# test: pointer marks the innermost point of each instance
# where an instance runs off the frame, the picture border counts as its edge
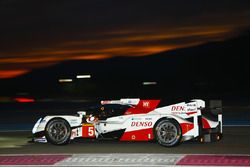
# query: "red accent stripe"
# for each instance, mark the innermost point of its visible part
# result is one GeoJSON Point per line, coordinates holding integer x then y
{"type": "Point", "coordinates": [205, 123]}
{"type": "Point", "coordinates": [185, 127]}
{"type": "Point", "coordinates": [190, 113]}
{"type": "Point", "coordinates": [138, 135]}
{"type": "Point", "coordinates": [32, 159]}
{"type": "Point", "coordinates": [215, 160]}
{"type": "Point", "coordinates": [143, 107]}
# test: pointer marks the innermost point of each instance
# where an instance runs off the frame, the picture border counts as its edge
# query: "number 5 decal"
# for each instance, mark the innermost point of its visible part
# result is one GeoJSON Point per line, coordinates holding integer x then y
{"type": "Point", "coordinates": [91, 131]}
{"type": "Point", "coordinates": [88, 131]}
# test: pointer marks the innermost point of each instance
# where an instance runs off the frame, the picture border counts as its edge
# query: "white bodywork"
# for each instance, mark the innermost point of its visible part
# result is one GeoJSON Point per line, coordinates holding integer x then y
{"type": "Point", "coordinates": [136, 122]}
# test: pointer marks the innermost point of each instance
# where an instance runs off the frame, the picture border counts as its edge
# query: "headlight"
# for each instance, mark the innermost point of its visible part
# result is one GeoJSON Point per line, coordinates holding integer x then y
{"type": "Point", "coordinates": [36, 125]}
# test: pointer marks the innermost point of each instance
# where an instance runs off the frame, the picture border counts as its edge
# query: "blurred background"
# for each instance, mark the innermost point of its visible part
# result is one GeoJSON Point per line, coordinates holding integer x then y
{"type": "Point", "coordinates": [61, 57]}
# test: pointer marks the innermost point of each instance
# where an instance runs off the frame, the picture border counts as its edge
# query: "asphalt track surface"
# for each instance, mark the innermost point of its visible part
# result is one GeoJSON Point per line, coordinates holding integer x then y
{"type": "Point", "coordinates": [236, 140]}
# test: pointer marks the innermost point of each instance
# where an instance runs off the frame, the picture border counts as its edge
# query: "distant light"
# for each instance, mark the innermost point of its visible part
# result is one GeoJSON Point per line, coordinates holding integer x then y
{"type": "Point", "coordinates": [24, 100]}
{"type": "Point", "coordinates": [83, 76]}
{"type": "Point", "coordinates": [149, 83]}
{"type": "Point", "coordinates": [65, 80]}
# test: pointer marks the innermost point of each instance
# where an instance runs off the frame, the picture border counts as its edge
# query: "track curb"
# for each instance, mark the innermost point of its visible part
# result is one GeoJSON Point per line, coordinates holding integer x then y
{"type": "Point", "coordinates": [123, 159]}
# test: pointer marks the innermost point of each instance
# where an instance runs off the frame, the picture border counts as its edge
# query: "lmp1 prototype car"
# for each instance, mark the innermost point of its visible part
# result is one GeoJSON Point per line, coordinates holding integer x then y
{"type": "Point", "coordinates": [134, 120]}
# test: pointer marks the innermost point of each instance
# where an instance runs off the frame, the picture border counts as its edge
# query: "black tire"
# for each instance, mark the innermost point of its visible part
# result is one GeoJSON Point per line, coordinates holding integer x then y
{"type": "Point", "coordinates": [167, 132]}
{"type": "Point", "coordinates": [58, 131]}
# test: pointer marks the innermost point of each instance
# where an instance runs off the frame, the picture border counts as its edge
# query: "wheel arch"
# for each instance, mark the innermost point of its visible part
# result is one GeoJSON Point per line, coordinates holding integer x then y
{"type": "Point", "coordinates": [167, 118]}
{"type": "Point", "coordinates": [58, 117]}
{"type": "Point", "coordinates": [73, 121]}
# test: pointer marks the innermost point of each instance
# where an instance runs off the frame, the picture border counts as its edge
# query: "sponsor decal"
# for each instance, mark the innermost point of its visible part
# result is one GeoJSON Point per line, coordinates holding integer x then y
{"type": "Point", "coordinates": [74, 133]}
{"type": "Point", "coordinates": [191, 105]}
{"type": "Point", "coordinates": [191, 109]}
{"type": "Point", "coordinates": [73, 121]}
{"type": "Point", "coordinates": [136, 118]}
{"type": "Point", "coordinates": [148, 118]}
{"type": "Point", "coordinates": [178, 108]}
{"type": "Point", "coordinates": [141, 124]}
{"type": "Point", "coordinates": [178, 112]}
{"type": "Point", "coordinates": [146, 104]}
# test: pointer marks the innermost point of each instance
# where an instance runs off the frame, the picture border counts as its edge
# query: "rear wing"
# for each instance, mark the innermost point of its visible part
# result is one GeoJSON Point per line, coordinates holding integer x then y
{"type": "Point", "coordinates": [214, 108]}
{"type": "Point", "coordinates": [200, 104]}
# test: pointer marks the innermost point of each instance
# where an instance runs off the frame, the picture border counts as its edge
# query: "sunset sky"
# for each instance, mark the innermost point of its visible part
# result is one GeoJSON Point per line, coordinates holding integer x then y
{"type": "Point", "coordinates": [39, 33]}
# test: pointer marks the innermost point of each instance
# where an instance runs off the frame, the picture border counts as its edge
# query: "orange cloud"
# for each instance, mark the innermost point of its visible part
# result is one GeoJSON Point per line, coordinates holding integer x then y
{"type": "Point", "coordinates": [92, 57]}
{"type": "Point", "coordinates": [109, 44]}
{"type": "Point", "coordinates": [11, 73]}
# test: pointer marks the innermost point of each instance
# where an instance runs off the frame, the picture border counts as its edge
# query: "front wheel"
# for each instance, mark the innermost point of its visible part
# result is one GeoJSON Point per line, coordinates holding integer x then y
{"type": "Point", "coordinates": [167, 132]}
{"type": "Point", "coordinates": [58, 131]}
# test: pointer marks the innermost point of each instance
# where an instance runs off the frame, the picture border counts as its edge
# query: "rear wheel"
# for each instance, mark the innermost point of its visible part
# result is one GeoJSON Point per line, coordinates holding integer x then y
{"type": "Point", "coordinates": [58, 131]}
{"type": "Point", "coordinates": [167, 132]}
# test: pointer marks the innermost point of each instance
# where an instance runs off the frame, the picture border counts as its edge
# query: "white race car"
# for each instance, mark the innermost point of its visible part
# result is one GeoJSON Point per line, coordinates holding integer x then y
{"type": "Point", "coordinates": [134, 120]}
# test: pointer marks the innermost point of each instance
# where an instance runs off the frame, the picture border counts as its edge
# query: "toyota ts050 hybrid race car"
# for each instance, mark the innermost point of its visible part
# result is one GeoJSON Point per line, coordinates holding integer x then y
{"type": "Point", "coordinates": [134, 120]}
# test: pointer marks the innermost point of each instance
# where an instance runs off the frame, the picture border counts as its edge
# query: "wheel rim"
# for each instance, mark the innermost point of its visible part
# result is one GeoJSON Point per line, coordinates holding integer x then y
{"type": "Point", "coordinates": [58, 131]}
{"type": "Point", "coordinates": [167, 132]}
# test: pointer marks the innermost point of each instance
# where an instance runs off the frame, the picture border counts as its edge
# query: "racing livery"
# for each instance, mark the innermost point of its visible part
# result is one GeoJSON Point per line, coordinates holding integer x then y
{"type": "Point", "coordinates": [134, 120]}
